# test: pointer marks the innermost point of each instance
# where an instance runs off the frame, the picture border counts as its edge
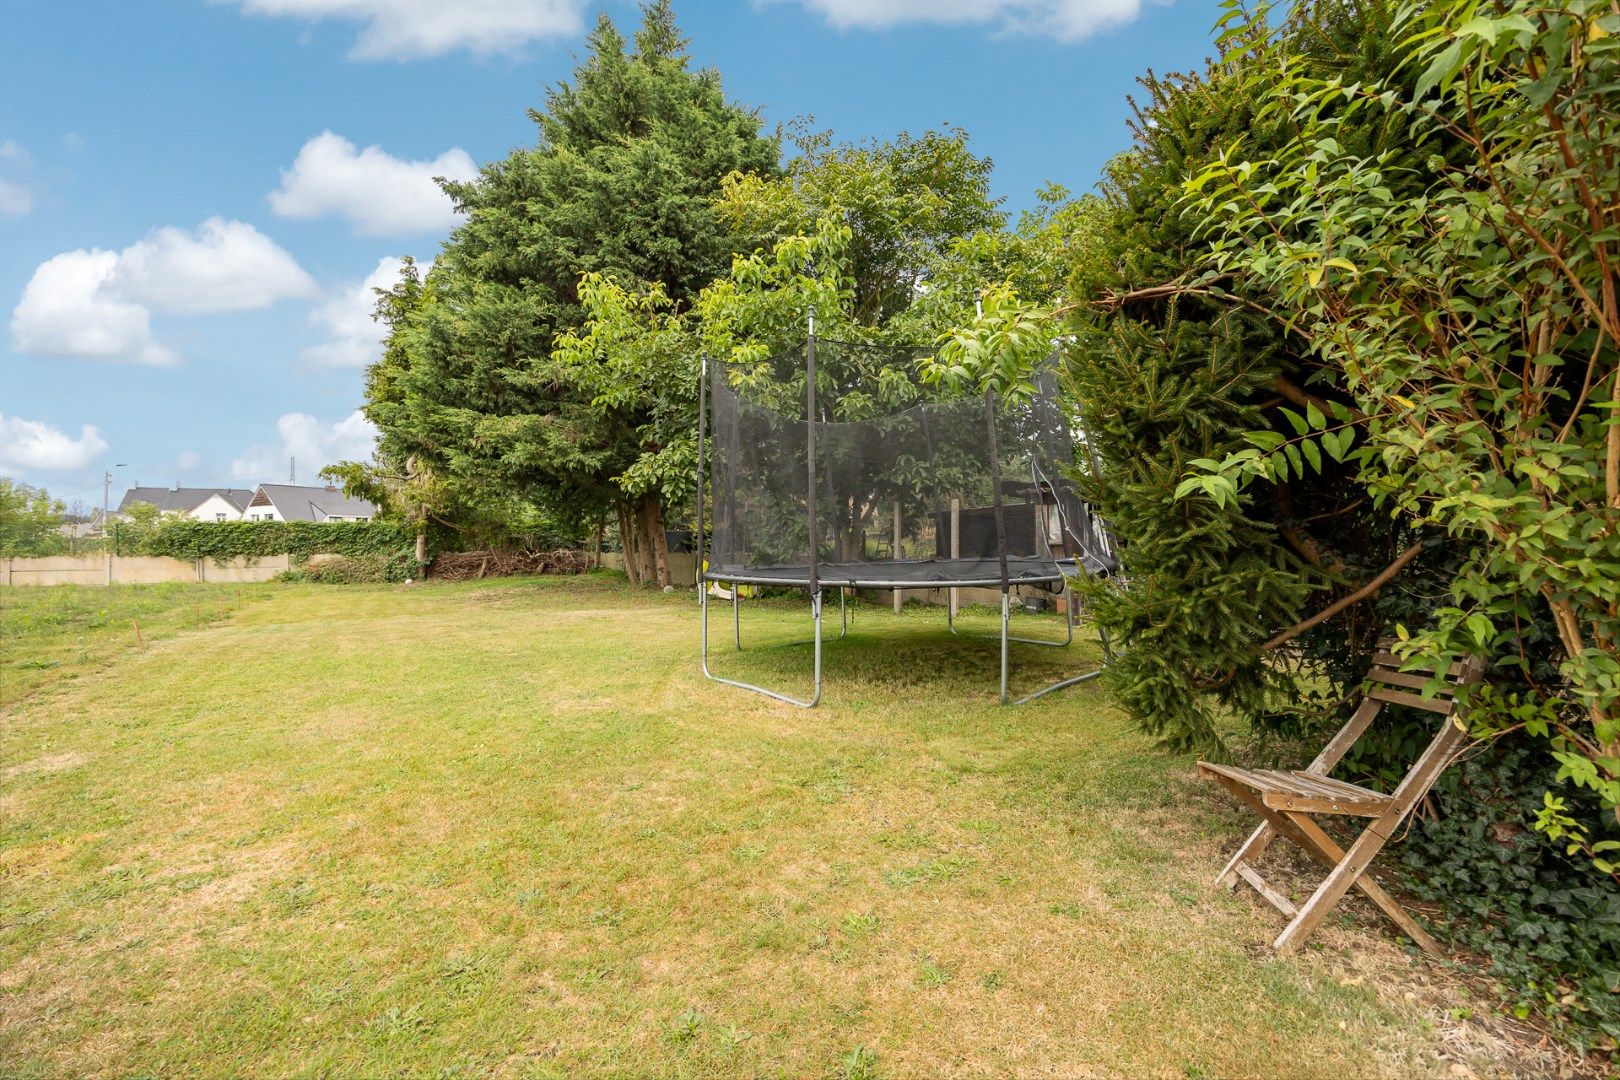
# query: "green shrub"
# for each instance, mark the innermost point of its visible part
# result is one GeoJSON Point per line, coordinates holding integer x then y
{"type": "Point", "coordinates": [221, 541]}
{"type": "Point", "coordinates": [356, 570]}
{"type": "Point", "coordinates": [1548, 922]}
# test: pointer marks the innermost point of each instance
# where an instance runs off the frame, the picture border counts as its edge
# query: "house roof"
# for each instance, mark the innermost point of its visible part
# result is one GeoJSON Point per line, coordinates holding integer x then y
{"type": "Point", "coordinates": [299, 503]}
{"type": "Point", "coordinates": [182, 499]}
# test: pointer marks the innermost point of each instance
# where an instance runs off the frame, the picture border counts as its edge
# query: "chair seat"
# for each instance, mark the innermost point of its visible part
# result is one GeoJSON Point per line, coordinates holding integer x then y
{"type": "Point", "coordinates": [1300, 790]}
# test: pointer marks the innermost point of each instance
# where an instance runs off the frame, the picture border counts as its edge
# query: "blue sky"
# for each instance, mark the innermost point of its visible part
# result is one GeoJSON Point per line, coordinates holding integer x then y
{"type": "Point", "coordinates": [193, 193]}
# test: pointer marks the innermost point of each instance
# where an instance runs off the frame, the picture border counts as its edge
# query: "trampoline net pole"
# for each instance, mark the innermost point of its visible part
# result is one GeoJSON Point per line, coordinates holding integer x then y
{"type": "Point", "coordinates": [810, 458]}
{"type": "Point", "coordinates": [703, 422]}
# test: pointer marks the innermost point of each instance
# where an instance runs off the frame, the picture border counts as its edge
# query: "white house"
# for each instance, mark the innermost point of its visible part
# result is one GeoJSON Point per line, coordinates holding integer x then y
{"type": "Point", "coordinates": [199, 504]}
{"type": "Point", "coordinates": [290, 502]}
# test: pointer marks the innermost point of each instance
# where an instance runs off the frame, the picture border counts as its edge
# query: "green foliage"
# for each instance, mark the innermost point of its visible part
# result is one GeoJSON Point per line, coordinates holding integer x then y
{"type": "Point", "coordinates": [182, 538]}
{"type": "Point", "coordinates": [1476, 329]}
{"type": "Point", "coordinates": [849, 233]}
{"type": "Point", "coordinates": [629, 157]}
{"type": "Point", "coordinates": [1548, 923]}
{"type": "Point", "coordinates": [28, 520]}
{"type": "Point", "coordinates": [1165, 376]}
{"type": "Point", "coordinates": [395, 566]}
{"type": "Point", "coordinates": [638, 361]}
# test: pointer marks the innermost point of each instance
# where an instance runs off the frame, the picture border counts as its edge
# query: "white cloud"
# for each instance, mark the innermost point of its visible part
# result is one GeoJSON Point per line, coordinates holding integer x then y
{"type": "Point", "coordinates": [1065, 20]}
{"type": "Point", "coordinates": [313, 444]}
{"type": "Point", "coordinates": [67, 310]}
{"type": "Point", "coordinates": [223, 266]}
{"type": "Point", "coordinates": [409, 29]}
{"type": "Point", "coordinates": [98, 304]}
{"type": "Point", "coordinates": [16, 199]}
{"type": "Point", "coordinates": [29, 444]}
{"type": "Point", "coordinates": [356, 338]}
{"type": "Point", "coordinates": [380, 194]}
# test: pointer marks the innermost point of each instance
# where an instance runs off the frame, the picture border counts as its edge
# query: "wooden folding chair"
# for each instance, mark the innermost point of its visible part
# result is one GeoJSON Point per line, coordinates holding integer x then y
{"type": "Point", "coordinates": [1286, 801]}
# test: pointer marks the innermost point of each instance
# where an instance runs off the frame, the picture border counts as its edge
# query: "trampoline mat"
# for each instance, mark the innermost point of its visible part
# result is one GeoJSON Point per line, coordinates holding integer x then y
{"type": "Point", "coordinates": [903, 573]}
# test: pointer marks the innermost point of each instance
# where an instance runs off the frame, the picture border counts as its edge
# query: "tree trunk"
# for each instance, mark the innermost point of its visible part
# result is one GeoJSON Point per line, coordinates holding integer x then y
{"type": "Point", "coordinates": [627, 545]}
{"type": "Point", "coordinates": [657, 543]}
{"type": "Point", "coordinates": [596, 547]}
{"type": "Point", "coordinates": [421, 551]}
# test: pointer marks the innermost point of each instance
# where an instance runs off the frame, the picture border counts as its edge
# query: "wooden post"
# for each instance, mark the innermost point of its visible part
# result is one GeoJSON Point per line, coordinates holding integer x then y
{"type": "Point", "coordinates": [110, 557]}
{"type": "Point", "coordinates": [898, 598]}
{"type": "Point", "coordinates": [956, 550]}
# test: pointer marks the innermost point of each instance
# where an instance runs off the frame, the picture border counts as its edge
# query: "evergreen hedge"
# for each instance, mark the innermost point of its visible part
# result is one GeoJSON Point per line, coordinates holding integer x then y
{"type": "Point", "coordinates": [226, 540]}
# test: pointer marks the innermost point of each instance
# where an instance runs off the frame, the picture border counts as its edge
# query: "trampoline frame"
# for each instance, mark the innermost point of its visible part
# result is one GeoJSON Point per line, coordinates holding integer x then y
{"type": "Point", "coordinates": [813, 584]}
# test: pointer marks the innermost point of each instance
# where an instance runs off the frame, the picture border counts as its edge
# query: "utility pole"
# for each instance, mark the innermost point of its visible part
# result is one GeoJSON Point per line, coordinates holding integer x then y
{"type": "Point", "coordinates": [106, 504]}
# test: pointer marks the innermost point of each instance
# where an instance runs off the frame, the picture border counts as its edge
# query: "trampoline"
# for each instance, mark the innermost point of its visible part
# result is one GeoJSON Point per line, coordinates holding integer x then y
{"type": "Point", "coordinates": [828, 466]}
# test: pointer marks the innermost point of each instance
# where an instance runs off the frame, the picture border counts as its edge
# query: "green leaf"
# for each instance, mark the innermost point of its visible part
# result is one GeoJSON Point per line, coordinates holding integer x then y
{"type": "Point", "coordinates": [1439, 69]}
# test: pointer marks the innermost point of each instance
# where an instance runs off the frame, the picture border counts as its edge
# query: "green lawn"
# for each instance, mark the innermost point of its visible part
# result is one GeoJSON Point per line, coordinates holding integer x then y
{"type": "Point", "coordinates": [48, 635]}
{"type": "Point", "coordinates": [507, 829]}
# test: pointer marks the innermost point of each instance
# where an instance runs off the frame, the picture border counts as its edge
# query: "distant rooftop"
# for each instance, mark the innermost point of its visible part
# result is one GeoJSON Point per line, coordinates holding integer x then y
{"type": "Point", "coordinates": [300, 503]}
{"type": "Point", "coordinates": [182, 499]}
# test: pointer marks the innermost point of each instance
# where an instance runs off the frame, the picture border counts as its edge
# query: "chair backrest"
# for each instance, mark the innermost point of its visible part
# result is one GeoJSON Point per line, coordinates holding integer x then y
{"type": "Point", "coordinates": [1387, 684]}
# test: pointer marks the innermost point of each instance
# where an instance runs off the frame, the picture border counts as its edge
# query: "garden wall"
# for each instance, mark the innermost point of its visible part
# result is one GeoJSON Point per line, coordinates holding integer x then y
{"type": "Point", "coordinates": [136, 570]}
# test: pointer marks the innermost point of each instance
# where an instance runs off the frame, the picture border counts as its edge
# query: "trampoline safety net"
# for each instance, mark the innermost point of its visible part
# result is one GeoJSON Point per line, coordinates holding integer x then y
{"type": "Point", "coordinates": [905, 489]}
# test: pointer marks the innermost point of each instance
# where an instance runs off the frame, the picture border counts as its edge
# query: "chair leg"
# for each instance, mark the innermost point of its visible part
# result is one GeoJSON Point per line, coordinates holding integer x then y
{"type": "Point", "coordinates": [1344, 870]}
{"type": "Point", "coordinates": [1249, 854]}
{"type": "Point", "coordinates": [1348, 869]}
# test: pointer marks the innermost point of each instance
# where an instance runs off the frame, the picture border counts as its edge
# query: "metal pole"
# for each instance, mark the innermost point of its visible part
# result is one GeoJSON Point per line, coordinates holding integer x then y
{"type": "Point", "coordinates": [815, 605]}
{"type": "Point", "coordinates": [1005, 603]}
{"type": "Point", "coordinates": [703, 402]}
{"type": "Point", "coordinates": [815, 697]}
{"type": "Point", "coordinates": [736, 619]}
{"type": "Point", "coordinates": [810, 465]}
{"type": "Point", "coordinates": [1001, 529]}
{"type": "Point", "coordinates": [899, 600]}
{"type": "Point", "coordinates": [956, 551]}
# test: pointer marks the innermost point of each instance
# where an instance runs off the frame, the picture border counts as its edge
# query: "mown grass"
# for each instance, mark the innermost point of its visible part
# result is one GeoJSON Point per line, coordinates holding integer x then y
{"type": "Point", "coordinates": [507, 829]}
{"type": "Point", "coordinates": [49, 635]}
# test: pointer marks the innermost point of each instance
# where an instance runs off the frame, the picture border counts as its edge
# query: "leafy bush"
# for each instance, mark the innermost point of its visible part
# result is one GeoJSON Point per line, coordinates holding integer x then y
{"type": "Point", "coordinates": [1548, 922]}
{"type": "Point", "coordinates": [357, 570]}
{"type": "Point", "coordinates": [186, 539]}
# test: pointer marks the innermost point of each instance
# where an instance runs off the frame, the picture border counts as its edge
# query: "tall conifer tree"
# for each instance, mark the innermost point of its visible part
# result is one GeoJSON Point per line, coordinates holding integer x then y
{"type": "Point", "coordinates": [630, 155]}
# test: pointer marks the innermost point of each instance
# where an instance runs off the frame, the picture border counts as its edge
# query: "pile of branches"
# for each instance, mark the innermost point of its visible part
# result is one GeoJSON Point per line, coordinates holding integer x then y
{"type": "Point", "coordinates": [464, 565]}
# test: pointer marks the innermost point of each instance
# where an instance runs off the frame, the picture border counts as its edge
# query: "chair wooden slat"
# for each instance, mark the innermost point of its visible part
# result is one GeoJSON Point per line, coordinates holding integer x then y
{"type": "Point", "coordinates": [1304, 791]}
{"type": "Point", "coordinates": [1443, 706]}
{"type": "Point", "coordinates": [1385, 658]}
{"type": "Point", "coordinates": [1416, 680]}
{"type": "Point", "coordinates": [1328, 804]}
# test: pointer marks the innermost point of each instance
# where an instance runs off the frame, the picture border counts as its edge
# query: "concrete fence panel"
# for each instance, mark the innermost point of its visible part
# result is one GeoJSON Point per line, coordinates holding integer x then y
{"type": "Point", "coordinates": [136, 570]}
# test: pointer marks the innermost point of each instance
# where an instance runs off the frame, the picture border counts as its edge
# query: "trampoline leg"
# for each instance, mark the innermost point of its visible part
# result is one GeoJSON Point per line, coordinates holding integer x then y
{"type": "Point", "coordinates": [736, 619]}
{"type": "Point", "coordinates": [815, 614]}
{"type": "Point", "coordinates": [1006, 603]}
{"type": "Point", "coordinates": [843, 610]}
{"type": "Point", "coordinates": [1064, 684]}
